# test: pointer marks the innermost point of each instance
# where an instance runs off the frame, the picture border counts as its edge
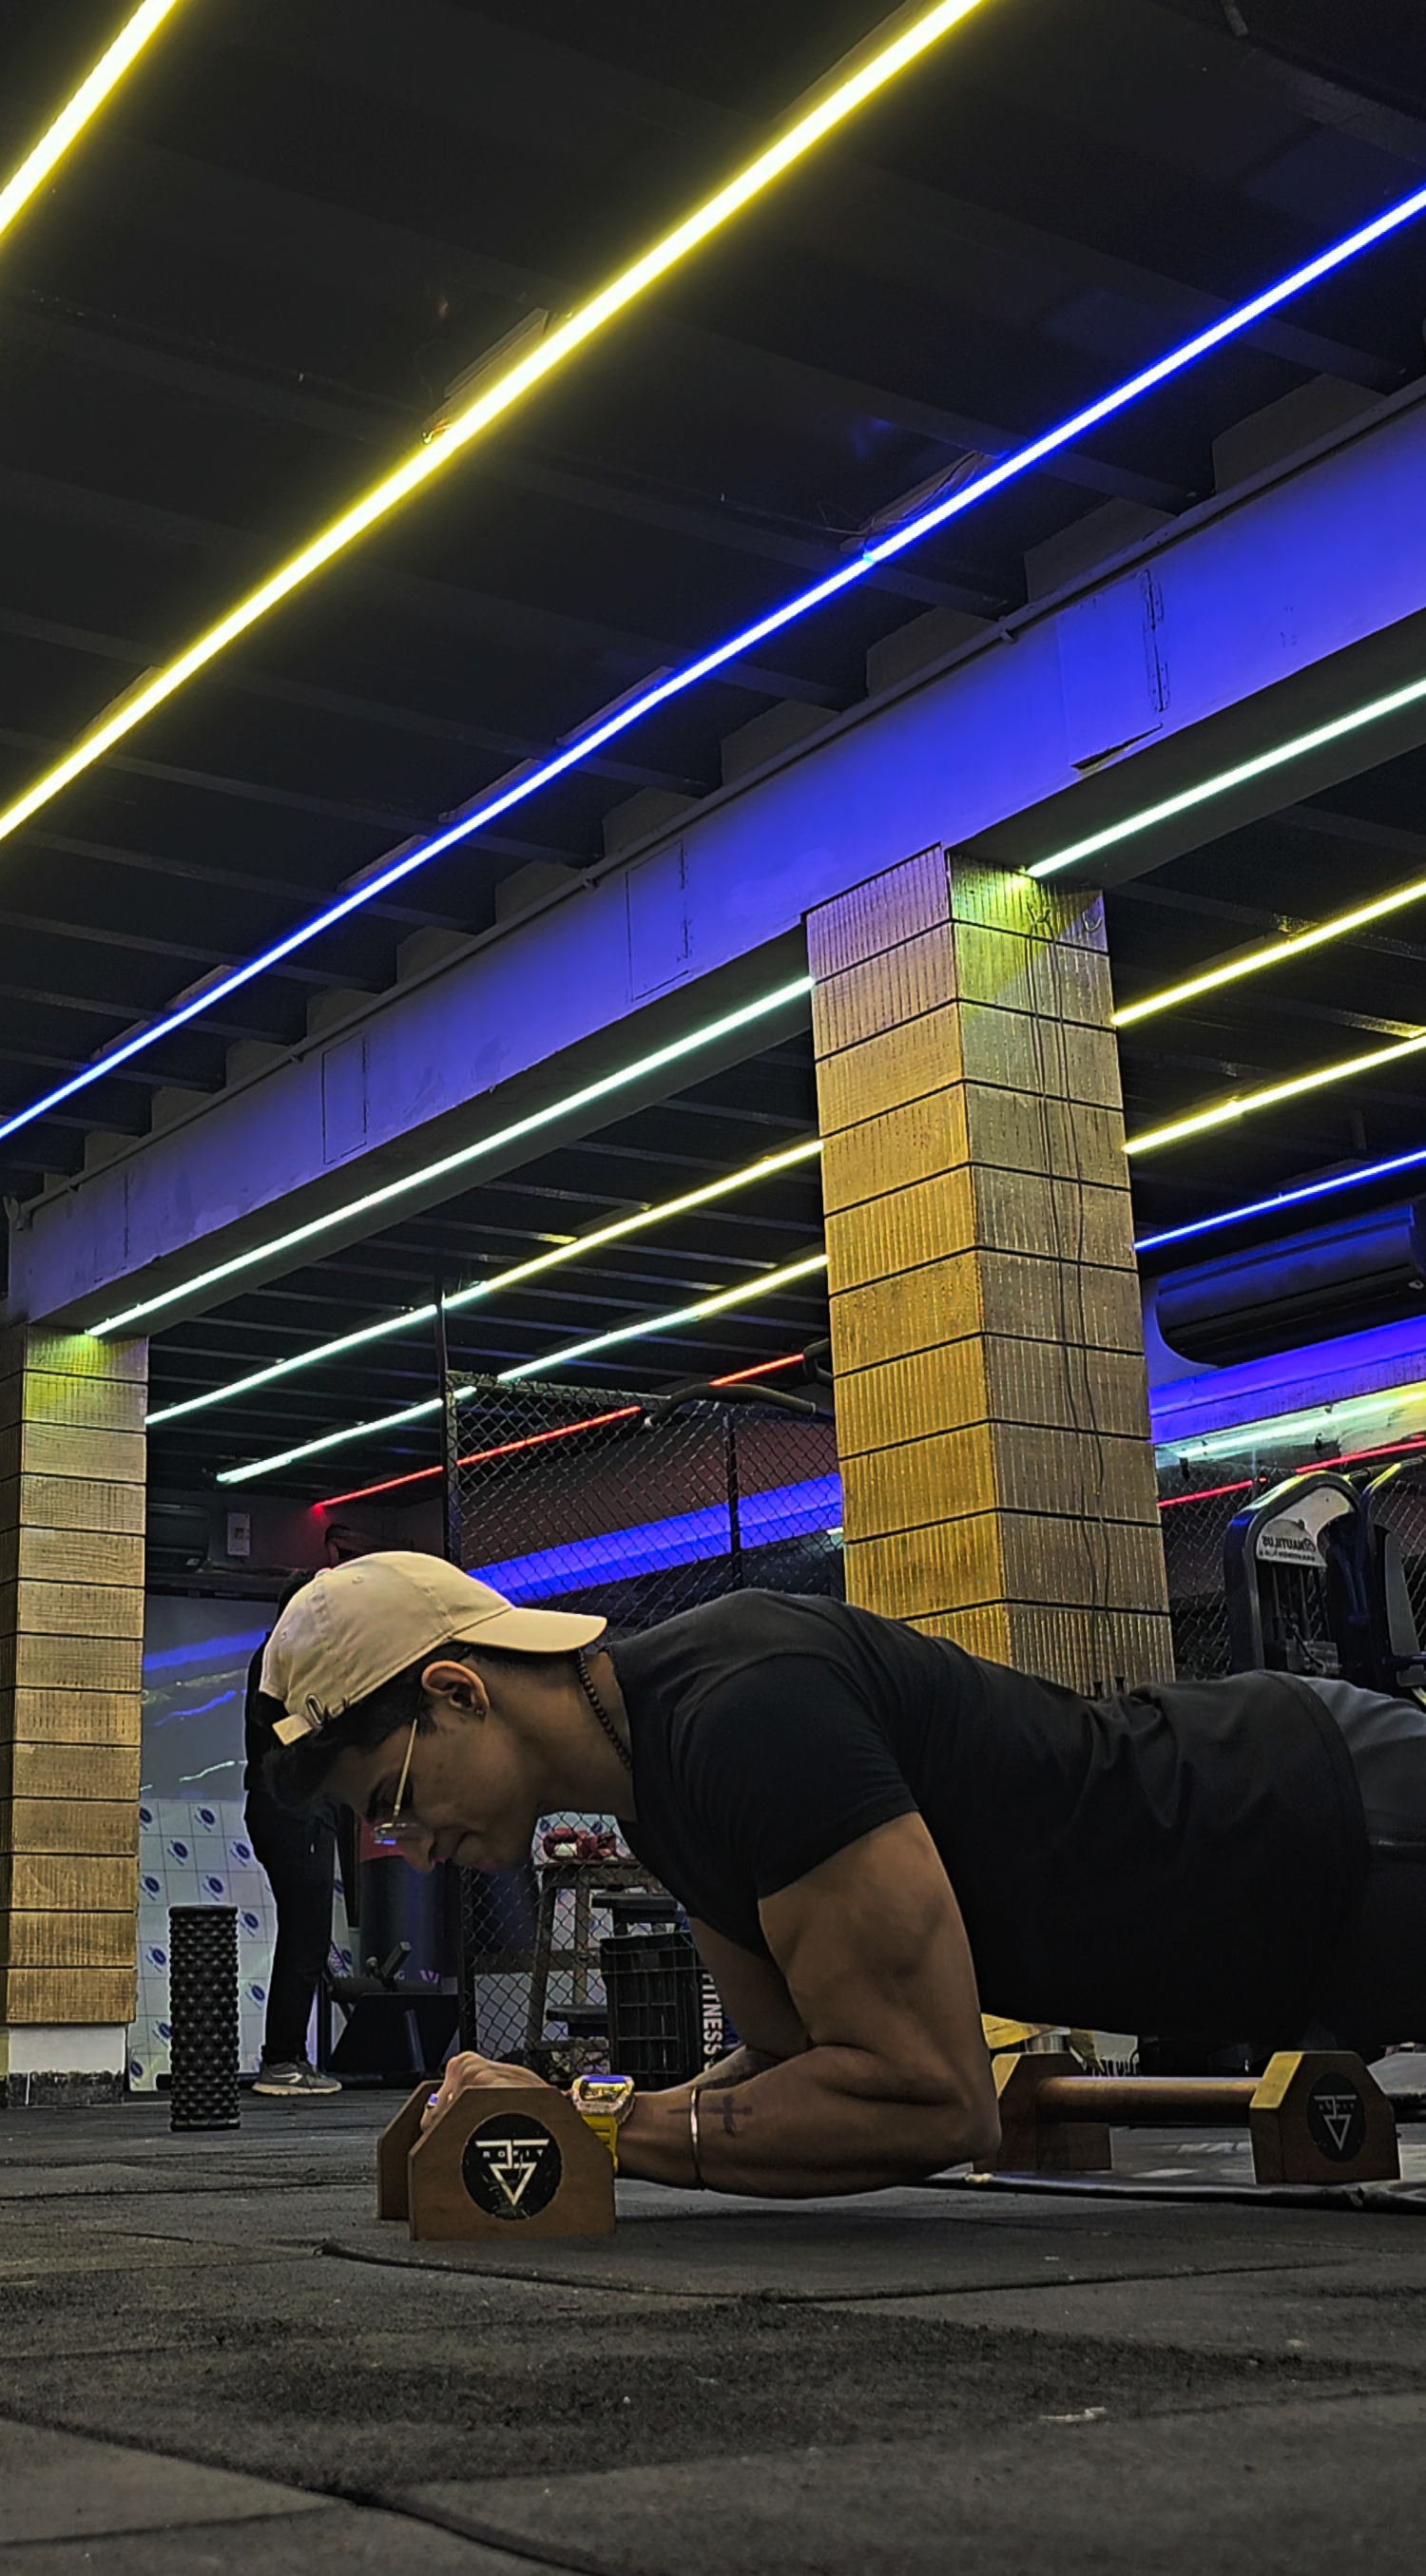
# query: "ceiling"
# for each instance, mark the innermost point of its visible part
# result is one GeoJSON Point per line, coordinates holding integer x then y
{"type": "Point", "coordinates": [754, 1110]}
{"type": "Point", "coordinates": [250, 286]}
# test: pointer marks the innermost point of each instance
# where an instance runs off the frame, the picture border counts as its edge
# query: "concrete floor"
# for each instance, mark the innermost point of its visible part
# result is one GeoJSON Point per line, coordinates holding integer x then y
{"type": "Point", "coordinates": [212, 2357]}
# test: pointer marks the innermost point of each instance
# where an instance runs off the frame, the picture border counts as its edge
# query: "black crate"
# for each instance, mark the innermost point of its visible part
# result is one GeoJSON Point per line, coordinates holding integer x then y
{"type": "Point", "coordinates": [655, 2001]}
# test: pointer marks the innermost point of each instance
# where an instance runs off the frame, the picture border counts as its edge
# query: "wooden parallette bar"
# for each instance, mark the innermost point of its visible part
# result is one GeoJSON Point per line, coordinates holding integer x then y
{"type": "Point", "coordinates": [500, 2164]}
{"type": "Point", "coordinates": [1149, 2101]}
{"type": "Point", "coordinates": [1313, 2116]}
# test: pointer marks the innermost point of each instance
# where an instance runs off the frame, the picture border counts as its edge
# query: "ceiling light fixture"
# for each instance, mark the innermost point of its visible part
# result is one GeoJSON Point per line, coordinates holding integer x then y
{"type": "Point", "coordinates": [606, 1088]}
{"type": "Point", "coordinates": [1297, 944]}
{"type": "Point", "coordinates": [642, 1221]}
{"type": "Point", "coordinates": [1334, 1458]}
{"type": "Point", "coordinates": [1224, 781]}
{"type": "Point", "coordinates": [1224, 1113]}
{"type": "Point", "coordinates": [500, 799]}
{"type": "Point", "coordinates": [749, 1293]}
{"type": "Point", "coordinates": [1326, 1187]}
{"type": "Point", "coordinates": [1272, 1430]}
{"type": "Point", "coordinates": [492, 400]}
{"type": "Point", "coordinates": [80, 111]}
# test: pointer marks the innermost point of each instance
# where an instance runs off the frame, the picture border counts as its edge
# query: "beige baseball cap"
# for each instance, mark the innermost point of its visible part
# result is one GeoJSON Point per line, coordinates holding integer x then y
{"type": "Point", "coordinates": [355, 1626]}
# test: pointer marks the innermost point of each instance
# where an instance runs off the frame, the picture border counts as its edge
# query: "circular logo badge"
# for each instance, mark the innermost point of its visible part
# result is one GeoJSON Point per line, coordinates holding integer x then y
{"type": "Point", "coordinates": [511, 2167]}
{"type": "Point", "coordinates": [1337, 2118]}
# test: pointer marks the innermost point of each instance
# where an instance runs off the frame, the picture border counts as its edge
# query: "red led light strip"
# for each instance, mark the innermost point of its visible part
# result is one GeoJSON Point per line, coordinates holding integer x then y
{"type": "Point", "coordinates": [1349, 1457]}
{"type": "Point", "coordinates": [1171, 1502]}
{"type": "Point", "coordinates": [767, 1368]}
{"type": "Point", "coordinates": [534, 1439]}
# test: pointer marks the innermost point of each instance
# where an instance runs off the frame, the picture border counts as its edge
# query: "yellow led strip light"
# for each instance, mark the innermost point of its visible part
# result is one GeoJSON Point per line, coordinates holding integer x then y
{"type": "Point", "coordinates": [870, 72]}
{"type": "Point", "coordinates": [1296, 944]}
{"type": "Point", "coordinates": [1225, 1113]}
{"type": "Point", "coordinates": [80, 110]}
{"type": "Point", "coordinates": [746, 1295]}
{"type": "Point", "coordinates": [642, 1221]}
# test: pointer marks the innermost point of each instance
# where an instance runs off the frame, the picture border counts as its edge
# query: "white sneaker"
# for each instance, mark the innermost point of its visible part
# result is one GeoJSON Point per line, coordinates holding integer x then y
{"type": "Point", "coordinates": [294, 2078]}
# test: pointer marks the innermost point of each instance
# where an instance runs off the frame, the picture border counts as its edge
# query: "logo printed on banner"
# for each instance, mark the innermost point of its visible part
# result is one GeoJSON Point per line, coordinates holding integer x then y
{"type": "Point", "coordinates": [511, 2167]}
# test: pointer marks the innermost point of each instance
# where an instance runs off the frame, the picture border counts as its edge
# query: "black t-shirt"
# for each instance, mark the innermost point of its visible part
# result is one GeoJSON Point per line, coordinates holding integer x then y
{"type": "Point", "coordinates": [1176, 1858]}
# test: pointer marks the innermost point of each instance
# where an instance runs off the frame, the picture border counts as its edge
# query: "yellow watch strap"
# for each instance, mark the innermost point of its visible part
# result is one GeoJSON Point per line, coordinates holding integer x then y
{"type": "Point", "coordinates": [605, 2127]}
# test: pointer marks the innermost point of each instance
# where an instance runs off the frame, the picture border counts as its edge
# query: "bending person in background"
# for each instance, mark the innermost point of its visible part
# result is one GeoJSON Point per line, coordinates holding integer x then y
{"type": "Point", "coordinates": [869, 1828]}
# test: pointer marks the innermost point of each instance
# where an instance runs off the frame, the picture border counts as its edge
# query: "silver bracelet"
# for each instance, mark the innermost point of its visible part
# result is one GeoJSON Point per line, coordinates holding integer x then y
{"type": "Point", "coordinates": [698, 2182]}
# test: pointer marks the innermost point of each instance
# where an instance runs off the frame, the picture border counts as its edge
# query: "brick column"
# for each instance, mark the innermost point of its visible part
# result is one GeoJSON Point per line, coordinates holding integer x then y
{"type": "Point", "coordinates": [992, 1407]}
{"type": "Point", "coordinates": [71, 1642]}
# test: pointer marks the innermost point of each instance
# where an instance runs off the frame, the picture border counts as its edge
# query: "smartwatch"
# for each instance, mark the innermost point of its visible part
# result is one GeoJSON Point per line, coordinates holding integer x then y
{"type": "Point", "coordinates": [604, 2103]}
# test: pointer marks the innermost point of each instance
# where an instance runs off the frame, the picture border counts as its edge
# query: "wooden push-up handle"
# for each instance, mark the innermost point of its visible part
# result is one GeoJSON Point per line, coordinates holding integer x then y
{"type": "Point", "coordinates": [1313, 2116]}
{"type": "Point", "coordinates": [502, 2163]}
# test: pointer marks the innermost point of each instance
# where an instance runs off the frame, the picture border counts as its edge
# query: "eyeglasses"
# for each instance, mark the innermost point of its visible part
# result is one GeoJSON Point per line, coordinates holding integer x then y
{"type": "Point", "coordinates": [394, 1824]}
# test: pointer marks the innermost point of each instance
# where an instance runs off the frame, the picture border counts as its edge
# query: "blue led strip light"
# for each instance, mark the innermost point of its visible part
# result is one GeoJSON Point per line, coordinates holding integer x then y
{"type": "Point", "coordinates": [487, 809]}
{"type": "Point", "coordinates": [779, 1512]}
{"type": "Point", "coordinates": [1284, 1199]}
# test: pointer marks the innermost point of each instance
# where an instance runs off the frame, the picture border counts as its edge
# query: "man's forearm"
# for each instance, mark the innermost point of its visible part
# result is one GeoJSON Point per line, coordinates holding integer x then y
{"type": "Point", "coordinates": [656, 2142]}
{"type": "Point", "coordinates": [738, 2067]}
{"type": "Point", "coordinates": [832, 2120]}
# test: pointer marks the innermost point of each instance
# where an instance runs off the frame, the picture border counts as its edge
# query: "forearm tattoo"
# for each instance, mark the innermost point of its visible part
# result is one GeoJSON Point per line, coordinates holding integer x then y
{"type": "Point", "coordinates": [734, 2114]}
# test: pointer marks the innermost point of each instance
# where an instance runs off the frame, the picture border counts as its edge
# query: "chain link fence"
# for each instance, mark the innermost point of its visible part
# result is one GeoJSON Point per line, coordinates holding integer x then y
{"type": "Point", "coordinates": [583, 1498]}
{"type": "Point", "coordinates": [1194, 1528]}
{"type": "Point", "coordinates": [1401, 1506]}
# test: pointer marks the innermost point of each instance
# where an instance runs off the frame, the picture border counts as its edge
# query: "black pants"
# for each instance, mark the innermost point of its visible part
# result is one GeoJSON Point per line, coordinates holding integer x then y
{"type": "Point", "coordinates": [1374, 1994]}
{"type": "Point", "coordinates": [299, 1856]}
{"type": "Point", "coordinates": [1374, 1989]}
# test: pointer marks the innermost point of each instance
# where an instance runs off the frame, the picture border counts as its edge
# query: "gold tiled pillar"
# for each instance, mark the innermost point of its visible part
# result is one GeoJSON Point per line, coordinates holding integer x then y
{"type": "Point", "coordinates": [71, 1640]}
{"type": "Point", "coordinates": [992, 1408]}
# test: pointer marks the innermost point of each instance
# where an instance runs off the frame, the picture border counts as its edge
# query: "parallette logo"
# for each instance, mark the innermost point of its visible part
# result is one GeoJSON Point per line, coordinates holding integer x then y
{"type": "Point", "coordinates": [1337, 2118]}
{"type": "Point", "coordinates": [511, 2167]}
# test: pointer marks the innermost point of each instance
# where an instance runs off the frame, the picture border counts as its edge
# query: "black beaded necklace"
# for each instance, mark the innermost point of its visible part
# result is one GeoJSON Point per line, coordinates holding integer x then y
{"type": "Point", "coordinates": [601, 1712]}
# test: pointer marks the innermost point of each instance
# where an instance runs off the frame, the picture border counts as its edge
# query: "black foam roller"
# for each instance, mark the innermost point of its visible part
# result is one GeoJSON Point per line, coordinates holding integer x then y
{"type": "Point", "coordinates": [203, 2015]}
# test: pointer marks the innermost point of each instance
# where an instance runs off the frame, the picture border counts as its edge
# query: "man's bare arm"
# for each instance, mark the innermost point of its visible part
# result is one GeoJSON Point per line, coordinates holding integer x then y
{"type": "Point", "coordinates": [753, 1990]}
{"type": "Point", "coordinates": [892, 2078]}
{"type": "Point", "coordinates": [754, 1993]}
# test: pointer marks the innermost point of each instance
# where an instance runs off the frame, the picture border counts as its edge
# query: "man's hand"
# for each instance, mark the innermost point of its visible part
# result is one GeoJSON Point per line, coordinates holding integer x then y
{"type": "Point", "coordinates": [468, 2071]}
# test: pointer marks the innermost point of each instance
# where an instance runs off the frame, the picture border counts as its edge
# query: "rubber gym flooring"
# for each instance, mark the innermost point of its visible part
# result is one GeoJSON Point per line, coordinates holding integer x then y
{"type": "Point", "coordinates": [213, 2357]}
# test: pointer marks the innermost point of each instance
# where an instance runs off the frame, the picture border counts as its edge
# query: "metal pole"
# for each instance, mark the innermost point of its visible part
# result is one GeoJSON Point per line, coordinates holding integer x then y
{"type": "Point", "coordinates": [468, 1886]}
{"type": "Point", "coordinates": [450, 1429]}
{"type": "Point", "coordinates": [735, 1517]}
